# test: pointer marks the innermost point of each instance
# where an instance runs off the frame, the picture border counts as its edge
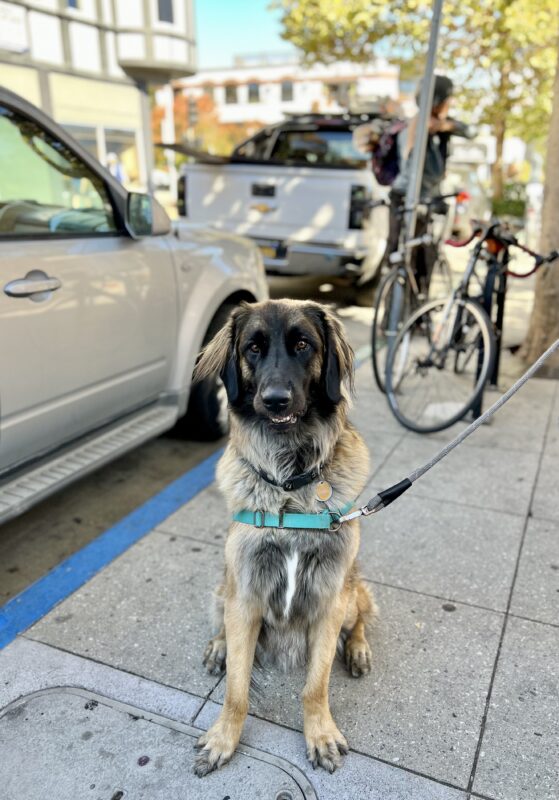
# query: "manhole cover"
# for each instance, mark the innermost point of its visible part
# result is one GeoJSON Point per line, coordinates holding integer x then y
{"type": "Point", "coordinates": [68, 744]}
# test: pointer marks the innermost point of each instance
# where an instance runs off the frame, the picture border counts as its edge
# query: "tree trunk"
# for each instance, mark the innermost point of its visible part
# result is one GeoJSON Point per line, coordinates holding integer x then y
{"type": "Point", "coordinates": [544, 322]}
{"type": "Point", "coordinates": [497, 177]}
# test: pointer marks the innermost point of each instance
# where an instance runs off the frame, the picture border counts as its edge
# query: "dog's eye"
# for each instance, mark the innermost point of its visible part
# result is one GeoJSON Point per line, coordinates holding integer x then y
{"type": "Point", "coordinates": [301, 345]}
{"type": "Point", "coordinates": [254, 348]}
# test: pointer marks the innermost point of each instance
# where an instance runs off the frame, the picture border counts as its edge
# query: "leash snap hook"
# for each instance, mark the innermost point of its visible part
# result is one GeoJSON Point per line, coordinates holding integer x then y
{"type": "Point", "coordinates": [335, 523]}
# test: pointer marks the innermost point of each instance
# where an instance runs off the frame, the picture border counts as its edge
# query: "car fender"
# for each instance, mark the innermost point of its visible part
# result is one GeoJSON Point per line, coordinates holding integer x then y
{"type": "Point", "coordinates": [212, 268]}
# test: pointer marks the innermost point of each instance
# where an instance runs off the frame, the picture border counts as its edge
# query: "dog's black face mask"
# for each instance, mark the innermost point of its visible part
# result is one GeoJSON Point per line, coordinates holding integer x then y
{"type": "Point", "coordinates": [284, 362]}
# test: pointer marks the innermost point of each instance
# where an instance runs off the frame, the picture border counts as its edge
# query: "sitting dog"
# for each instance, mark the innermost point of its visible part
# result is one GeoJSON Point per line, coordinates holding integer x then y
{"type": "Point", "coordinates": [292, 466]}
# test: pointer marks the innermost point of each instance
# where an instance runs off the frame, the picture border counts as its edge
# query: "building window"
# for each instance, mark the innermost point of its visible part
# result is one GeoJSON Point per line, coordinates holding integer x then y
{"type": "Point", "coordinates": [73, 4]}
{"type": "Point", "coordinates": [286, 91]}
{"type": "Point", "coordinates": [165, 10]}
{"type": "Point", "coordinates": [208, 90]}
{"type": "Point", "coordinates": [231, 93]}
{"type": "Point", "coordinates": [254, 93]}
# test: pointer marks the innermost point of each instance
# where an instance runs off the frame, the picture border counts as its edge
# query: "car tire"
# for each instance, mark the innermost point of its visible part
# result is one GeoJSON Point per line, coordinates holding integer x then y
{"type": "Point", "coordinates": [207, 416]}
{"type": "Point", "coordinates": [363, 294]}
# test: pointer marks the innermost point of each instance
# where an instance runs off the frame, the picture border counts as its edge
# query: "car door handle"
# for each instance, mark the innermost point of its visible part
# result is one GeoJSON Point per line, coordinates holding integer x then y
{"type": "Point", "coordinates": [37, 285]}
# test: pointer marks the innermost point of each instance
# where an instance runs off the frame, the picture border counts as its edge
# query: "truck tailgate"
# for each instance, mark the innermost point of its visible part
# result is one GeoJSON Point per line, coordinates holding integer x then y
{"type": "Point", "coordinates": [285, 203]}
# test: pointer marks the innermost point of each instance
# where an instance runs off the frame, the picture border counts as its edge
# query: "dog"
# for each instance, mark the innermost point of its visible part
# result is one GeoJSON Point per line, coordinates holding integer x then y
{"type": "Point", "coordinates": [288, 595]}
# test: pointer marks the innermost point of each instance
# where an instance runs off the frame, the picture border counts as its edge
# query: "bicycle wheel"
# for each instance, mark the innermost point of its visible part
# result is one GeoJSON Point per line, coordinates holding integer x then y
{"type": "Point", "coordinates": [381, 315]}
{"type": "Point", "coordinates": [439, 365]}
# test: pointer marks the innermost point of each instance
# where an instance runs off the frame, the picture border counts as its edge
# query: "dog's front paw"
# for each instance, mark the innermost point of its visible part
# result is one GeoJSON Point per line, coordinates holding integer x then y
{"type": "Point", "coordinates": [326, 748]}
{"type": "Point", "coordinates": [216, 749]}
{"type": "Point", "coordinates": [214, 655]}
{"type": "Point", "coordinates": [358, 657]}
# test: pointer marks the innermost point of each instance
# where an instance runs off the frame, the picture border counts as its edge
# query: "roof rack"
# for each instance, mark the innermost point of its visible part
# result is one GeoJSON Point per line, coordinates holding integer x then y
{"type": "Point", "coordinates": [340, 117]}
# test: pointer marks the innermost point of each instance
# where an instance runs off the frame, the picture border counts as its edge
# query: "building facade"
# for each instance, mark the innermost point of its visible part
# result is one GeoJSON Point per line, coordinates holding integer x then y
{"type": "Point", "coordinates": [257, 88]}
{"type": "Point", "coordinates": [88, 64]}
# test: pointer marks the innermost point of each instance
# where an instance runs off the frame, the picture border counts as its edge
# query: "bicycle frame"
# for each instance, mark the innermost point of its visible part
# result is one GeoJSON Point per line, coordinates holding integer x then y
{"type": "Point", "coordinates": [405, 273]}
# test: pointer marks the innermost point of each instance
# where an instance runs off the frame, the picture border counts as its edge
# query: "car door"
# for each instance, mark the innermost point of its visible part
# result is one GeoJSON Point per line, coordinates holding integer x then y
{"type": "Point", "coordinates": [87, 313]}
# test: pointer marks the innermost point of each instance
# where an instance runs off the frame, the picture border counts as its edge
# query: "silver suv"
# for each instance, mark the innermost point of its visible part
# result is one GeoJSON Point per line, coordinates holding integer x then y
{"type": "Point", "coordinates": [103, 310]}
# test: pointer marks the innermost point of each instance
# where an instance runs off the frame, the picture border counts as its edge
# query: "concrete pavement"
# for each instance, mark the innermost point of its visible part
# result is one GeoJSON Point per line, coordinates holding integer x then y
{"type": "Point", "coordinates": [103, 696]}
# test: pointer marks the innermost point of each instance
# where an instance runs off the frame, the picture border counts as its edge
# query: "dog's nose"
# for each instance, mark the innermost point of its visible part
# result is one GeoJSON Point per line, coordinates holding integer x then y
{"type": "Point", "coordinates": [276, 398]}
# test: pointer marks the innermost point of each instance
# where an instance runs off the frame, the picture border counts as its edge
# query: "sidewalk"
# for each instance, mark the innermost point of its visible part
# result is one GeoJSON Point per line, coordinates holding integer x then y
{"type": "Point", "coordinates": [106, 693]}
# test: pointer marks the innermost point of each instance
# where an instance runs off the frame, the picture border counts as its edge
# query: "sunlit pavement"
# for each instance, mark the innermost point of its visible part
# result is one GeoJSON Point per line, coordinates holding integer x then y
{"type": "Point", "coordinates": [104, 695]}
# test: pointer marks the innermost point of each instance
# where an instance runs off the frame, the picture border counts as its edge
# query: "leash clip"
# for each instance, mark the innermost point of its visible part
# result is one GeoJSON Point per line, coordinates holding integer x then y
{"type": "Point", "coordinates": [364, 511]}
{"type": "Point", "coordinates": [336, 522]}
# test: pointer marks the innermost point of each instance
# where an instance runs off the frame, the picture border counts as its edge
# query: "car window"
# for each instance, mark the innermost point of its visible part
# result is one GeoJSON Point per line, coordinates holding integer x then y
{"type": "Point", "coordinates": [45, 188]}
{"type": "Point", "coordinates": [256, 148]}
{"type": "Point", "coordinates": [318, 147]}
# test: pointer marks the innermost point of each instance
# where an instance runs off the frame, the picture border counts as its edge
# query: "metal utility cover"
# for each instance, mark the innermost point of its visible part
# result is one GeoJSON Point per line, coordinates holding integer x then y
{"type": "Point", "coordinates": [70, 743]}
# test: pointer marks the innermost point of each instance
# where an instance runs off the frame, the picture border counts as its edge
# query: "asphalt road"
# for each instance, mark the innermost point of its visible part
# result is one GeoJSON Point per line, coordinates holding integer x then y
{"type": "Point", "coordinates": [34, 543]}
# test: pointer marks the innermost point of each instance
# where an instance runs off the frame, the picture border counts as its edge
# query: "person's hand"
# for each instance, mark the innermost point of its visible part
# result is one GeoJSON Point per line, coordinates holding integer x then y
{"type": "Point", "coordinates": [437, 125]}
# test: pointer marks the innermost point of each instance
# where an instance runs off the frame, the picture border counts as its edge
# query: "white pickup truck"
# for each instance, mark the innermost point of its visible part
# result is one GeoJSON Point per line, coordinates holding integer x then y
{"type": "Point", "coordinates": [301, 191]}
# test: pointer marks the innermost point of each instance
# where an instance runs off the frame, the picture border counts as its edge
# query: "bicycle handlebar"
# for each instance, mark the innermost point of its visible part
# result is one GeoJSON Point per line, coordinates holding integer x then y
{"type": "Point", "coordinates": [508, 239]}
{"type": "Point", "coordinates": [402, 209]}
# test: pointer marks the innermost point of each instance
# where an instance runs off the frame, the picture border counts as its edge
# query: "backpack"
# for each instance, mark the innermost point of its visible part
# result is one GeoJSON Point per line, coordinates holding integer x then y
{"type": "Point", "coordinates": [385, 155]}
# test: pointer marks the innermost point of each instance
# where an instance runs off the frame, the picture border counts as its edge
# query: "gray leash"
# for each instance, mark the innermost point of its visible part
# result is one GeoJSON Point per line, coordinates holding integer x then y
{"type": "Point", "coordinates": [384, 498]}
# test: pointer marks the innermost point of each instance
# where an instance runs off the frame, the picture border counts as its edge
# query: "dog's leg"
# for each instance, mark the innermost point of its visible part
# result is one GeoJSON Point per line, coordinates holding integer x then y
{"type": "Point", "coordinates": [325, 743]}
{"type": "Point", "coordinates": [356, 649]}
{"type": "Point", "coordinates": [242, 627]}
{"type": "Point", "coordinates": [216, 651]}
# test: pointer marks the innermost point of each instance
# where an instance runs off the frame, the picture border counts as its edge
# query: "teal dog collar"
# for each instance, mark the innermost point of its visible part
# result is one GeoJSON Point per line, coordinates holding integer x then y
{"type": "Point", "coordinates": [322, 520]}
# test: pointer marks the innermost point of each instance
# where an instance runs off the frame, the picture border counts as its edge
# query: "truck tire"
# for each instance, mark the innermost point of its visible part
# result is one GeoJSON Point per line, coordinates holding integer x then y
{"type": "Point", "coordinates": [207, 417]}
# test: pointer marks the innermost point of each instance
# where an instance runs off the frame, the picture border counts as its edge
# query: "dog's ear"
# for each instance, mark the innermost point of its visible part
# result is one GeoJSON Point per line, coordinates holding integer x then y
{"type": "Point", "coordinates": [219, 357]}
{"type": "Point", "coordinates": [337, 367]}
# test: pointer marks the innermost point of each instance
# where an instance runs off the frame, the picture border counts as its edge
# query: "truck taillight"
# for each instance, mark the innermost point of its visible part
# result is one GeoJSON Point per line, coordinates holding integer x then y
{"type": "Point", "coordinates": [182, 207]}
{"type": "Point", "coordinates": [359, 205]}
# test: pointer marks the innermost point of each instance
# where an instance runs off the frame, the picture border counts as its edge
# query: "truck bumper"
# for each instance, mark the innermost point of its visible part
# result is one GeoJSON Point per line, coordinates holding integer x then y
{"type": "Point", "coordinates": [298, 258]}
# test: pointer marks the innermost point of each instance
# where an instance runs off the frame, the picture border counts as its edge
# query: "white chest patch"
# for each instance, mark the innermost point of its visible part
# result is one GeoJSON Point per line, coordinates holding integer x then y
{"type": "Point", "coordinates": [291, 564]}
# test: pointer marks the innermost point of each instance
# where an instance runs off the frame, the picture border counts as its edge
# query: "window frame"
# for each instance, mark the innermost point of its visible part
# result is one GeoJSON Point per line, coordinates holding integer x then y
{"type": "Point", "coordinates": [292, 90]}
{"type": "Point", "coordinates": [168, 5]}
{"type": "Point", "coordinates": [116, 194]}
{"type": "Point", "coordinates": [254, 85]}
{"type": "Point", "coordinates": [235, 87]}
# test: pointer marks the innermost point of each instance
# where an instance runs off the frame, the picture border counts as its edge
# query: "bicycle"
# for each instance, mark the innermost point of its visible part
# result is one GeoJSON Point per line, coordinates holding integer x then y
{"type": "Point", "coordinates": [410, 293]}
{"type": "Point", "coordinates": [448, 349]}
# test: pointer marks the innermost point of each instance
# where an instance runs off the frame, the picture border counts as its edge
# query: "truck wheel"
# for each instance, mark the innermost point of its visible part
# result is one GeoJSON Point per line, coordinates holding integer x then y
{"type": "Point", "coordinates": [207, 417]}
{"type": "Point", "coordinates": [363, 294]}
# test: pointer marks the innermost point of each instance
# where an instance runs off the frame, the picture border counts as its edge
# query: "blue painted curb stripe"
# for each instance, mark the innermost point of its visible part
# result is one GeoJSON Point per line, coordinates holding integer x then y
{"type": "Point", "coordinates": [33, 603]}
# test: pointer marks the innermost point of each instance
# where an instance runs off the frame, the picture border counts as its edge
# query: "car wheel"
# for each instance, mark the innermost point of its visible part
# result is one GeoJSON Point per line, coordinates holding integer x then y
{"type": "Point", "coordinates": [207, 415]}
{"type": "Point", "coordinates": [363, 294]}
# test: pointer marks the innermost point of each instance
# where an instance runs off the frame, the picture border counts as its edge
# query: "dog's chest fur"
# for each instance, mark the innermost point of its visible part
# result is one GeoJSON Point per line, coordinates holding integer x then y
{"type": "Point", "coordinates": [291, 574]}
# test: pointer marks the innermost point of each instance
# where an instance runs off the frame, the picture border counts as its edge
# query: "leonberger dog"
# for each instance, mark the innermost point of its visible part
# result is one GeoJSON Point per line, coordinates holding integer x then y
{"type": "Point", "coordinates": [288, 595]}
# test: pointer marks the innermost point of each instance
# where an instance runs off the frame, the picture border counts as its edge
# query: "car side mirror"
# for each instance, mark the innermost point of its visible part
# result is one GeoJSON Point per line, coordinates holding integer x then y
{"type": "Point", "coordinates": [145, 216]}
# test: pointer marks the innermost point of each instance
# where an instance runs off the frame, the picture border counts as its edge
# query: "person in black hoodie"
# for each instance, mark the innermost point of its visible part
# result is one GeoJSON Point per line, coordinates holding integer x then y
{"type": "Point", "coordinates": [441, 128]}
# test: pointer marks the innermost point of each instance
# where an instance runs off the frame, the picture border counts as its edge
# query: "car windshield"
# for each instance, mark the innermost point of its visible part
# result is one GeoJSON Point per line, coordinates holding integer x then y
{"type": "Point", "coordinates": [318, 147]}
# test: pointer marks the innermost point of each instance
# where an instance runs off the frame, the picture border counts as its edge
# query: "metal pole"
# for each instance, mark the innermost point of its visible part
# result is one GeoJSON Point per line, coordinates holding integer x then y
{"type": "Point", "coordinates": [421, 131]}
{"type": "Point", "coordinates": [397, 300]}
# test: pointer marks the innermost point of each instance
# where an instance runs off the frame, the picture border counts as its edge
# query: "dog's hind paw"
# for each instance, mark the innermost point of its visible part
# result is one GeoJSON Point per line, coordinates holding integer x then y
{"type": "Point", "coordinates": [214, 752]}
{"type": "Point", "coordinates": [326, 750]}
{"type": "Point", "coordinates": [357, 657]}
{"type": "Point", "coordinates": [214, 655]}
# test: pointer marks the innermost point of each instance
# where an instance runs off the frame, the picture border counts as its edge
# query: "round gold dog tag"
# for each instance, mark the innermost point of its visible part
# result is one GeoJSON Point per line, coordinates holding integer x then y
{"type": "Point", "coordinates": [323, 491]}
